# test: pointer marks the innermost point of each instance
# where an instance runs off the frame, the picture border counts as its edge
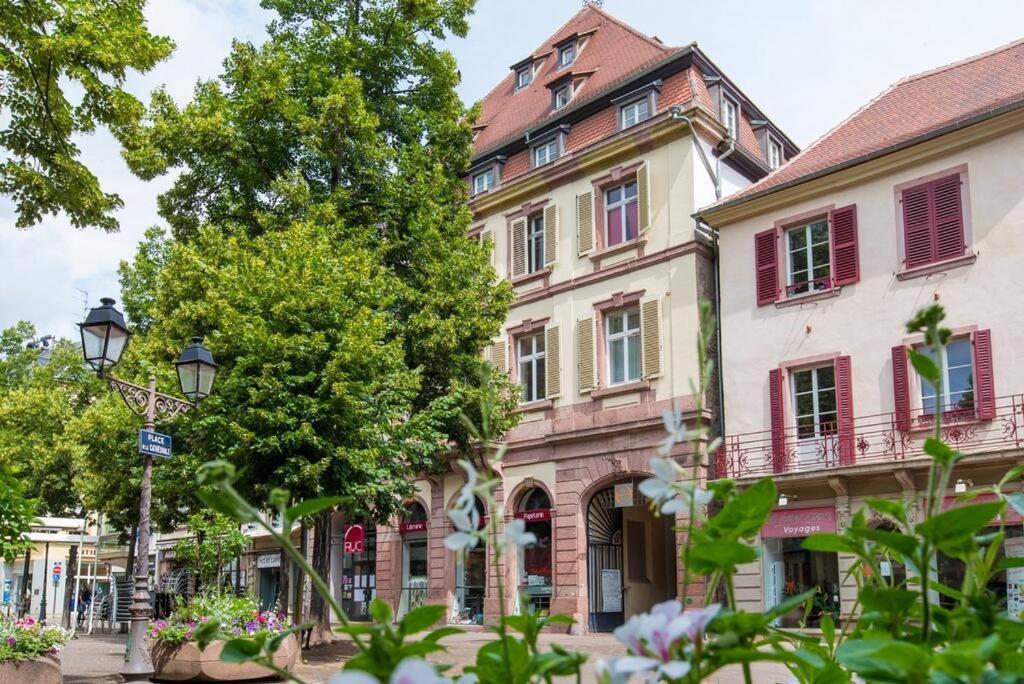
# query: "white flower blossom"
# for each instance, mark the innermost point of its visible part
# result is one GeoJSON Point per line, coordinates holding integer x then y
{"type": "Point", "coordinates": [664, 489]}
{"type": "Point", "coordinates": [409, 671]}
{"type": "Point", "coordinates": [515, 533]}
{"type": "Point", "coordinates": [655, 640]}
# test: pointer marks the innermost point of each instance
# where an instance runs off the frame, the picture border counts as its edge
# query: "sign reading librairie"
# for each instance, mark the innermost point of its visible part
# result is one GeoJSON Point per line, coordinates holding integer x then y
{"type": "Point", "coordinates": [154, 443]}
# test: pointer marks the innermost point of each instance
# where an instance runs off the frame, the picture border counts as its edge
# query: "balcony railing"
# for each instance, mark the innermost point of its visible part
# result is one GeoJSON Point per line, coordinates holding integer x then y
{"type": "Point", "coordinates": [874, 439]}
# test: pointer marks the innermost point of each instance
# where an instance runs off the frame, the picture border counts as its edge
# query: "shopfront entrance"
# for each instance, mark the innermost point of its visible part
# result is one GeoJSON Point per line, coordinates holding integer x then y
{"type": "Point", "coordinates": [631, 559]}
{"type": "Point", "coordinates": [535, 561]}
{"type": "Point", "coordinates": [413, 530]}
{"type": "Point", "coordinates": [471, 581]}
{"type": "Point", "coordinates": [359, 569]}
{"type": "Point", "coordinates": [268, 570]}
{"type": "Point", "coordinates": [789, 570]}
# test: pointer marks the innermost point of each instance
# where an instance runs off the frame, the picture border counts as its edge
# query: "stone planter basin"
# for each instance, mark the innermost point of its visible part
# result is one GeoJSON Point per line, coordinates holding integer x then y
{"type": "Point", "coordinates": [41, 670]}
{"type": "Point", "coordinates": [186, 663]}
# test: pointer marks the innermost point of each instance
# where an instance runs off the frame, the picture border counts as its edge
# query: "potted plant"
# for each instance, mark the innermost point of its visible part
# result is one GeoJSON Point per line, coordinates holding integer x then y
{"type": "Point", "coordinates": [221, 617]}
{"type": "Point", "coordinates": [28, 651]}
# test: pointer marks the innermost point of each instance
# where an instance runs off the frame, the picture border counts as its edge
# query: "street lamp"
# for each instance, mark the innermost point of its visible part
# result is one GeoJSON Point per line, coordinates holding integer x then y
{"type": "Point", "coordinates": [104, 337]}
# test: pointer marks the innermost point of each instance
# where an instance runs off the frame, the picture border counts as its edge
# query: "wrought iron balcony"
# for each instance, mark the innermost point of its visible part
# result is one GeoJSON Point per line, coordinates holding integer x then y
{"type": "Point", "coordinates": [874, 439]}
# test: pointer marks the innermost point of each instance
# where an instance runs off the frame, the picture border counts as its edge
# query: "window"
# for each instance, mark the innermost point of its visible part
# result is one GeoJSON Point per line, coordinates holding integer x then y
{"type": "Point", "coordinates": [531, 367]}
{"type": "Point", "coordinates": [483, 181]}
{"type": "Point", "coordinates": [546, 153]}
{"type": "Point", "coordinates": [814, 402]}
{"type": "Point", "coordinates": [635, 112]}
{"type": "Point", "coordinates": [561, 97]}
{"type": "Point", "coordinates": [933, 222]}
{"type": "Point", "coordinates": [774, 154]}
{"type": "Point", "coordinates": [535, 243]}
{"type": "Point", "coordinates": [730, 117]}
{"type": "Point", "coordinates": [623, 335]}
{"type": "Point", "coordinates": [524, 77]}
{"type": "Point", "coordinates": [567, 55]}
{"type": "Point", "coordinates": [810, 261]}
{"type": "Point", "coordinates": [620, 214]}
{"type": "Point", "coordinates": [957, 366]}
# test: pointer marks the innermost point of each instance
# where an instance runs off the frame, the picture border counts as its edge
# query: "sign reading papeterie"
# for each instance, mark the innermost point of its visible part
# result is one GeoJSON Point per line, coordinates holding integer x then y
{"type": "Point", "coordinates": [539, 515]}
{"type": "Point", "coordinates": [799, 522]}
{"type": "Point", "coordinates": [154, 443]}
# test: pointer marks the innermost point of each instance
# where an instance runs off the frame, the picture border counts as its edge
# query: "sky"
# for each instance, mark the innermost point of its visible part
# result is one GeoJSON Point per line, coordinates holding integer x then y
{"type": "Point", "coordinates": [808, 64]}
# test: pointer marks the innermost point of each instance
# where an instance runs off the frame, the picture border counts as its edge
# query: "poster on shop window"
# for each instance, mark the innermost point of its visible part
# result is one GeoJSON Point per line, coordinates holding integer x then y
{"type": "Point", "coordinates": [1014, 548]}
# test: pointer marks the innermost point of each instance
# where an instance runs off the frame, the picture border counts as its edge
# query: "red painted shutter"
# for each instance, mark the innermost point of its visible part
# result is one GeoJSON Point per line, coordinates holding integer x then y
{"type": "Point", "coordinates": [984, 377]}
{"type": "Point", "coordinates": [917, 226]}
{"type": "Point", "coordinates": [901, 387]}
{"type": "Point", "coordinates": [948, 219]}
{"type": "Point", "coordinates": [776, 397]}
{"type": "Point", "coordinates": [845, 259]}
{"type": "Point", "coordinates": [844, 404]}
{"type": "Point", "coordinates": [766, 258]}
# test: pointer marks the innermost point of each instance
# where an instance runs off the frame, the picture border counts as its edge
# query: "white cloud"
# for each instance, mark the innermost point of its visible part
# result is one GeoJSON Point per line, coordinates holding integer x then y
{"type": "Point", "coordinates": [807, 63]}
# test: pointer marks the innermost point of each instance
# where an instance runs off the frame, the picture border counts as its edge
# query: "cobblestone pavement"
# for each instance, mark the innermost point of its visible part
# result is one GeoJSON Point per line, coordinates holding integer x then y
{"type": "Point", "coordinates": [96, 659]}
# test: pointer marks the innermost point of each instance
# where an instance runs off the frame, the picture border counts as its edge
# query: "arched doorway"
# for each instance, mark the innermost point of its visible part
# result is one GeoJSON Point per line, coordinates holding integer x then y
{"type": "Point", "coordinates": [471, 580]}
{"type": "Point", "coordinates": [631, 557]}
{"type": "Point", "coordinates": [413, 529]}
{"type": "Point", "coordinates": [535, 561]}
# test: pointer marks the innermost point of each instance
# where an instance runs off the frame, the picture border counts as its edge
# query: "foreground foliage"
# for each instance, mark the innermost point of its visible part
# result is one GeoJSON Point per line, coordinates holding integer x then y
{"type": "Point", "coordinates": [25, 639]}
{"type": "Point", "coordinates": [234, 616]}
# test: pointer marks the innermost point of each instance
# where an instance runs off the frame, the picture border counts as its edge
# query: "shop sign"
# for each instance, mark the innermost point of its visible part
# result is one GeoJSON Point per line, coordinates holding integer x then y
{"type": "Point", "coordinates": [355, 539]}
{"type": "Point", "coordinates": [624, 495]}
{"type": "Point", "coordinates": [1009, 517]}
{"type": "Point", "coordinates": [410, 527]}
{"type": "Point", "coordinates": [268, 560]}
{"type": "Point", "coordinates": [799, 522]}
{"type": "Point", "coordinates": [538, 515]}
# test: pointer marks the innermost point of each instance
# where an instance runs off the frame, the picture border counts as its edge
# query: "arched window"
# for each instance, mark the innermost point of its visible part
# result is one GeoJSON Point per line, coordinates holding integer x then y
{"type": "Point", "coordinates": [414, 512]}
{"type": "Point", "coordinates": [535, 566]}
{"type": "Point", "coordinates": [413, 528]}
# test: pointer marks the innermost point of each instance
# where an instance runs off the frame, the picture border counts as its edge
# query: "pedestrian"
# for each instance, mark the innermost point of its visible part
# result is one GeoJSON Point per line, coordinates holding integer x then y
{"type": "Point", "coordinates": [84, 599]}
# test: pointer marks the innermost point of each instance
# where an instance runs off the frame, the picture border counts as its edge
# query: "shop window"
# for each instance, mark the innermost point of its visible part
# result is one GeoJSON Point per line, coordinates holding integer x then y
{"type": "Point", "coordinates": [359, 571]}
{"type": "Point", "coordinates": [535, 560]}
{"type": "Point", "coordinates": [471, 581]}
{"type": "Point", "coordinates": [413, 529]}
{"type": "Point", "coordinates": [791, 570]}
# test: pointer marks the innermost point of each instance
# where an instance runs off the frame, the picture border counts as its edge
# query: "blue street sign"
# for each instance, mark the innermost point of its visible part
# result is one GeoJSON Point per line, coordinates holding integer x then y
{"type": "Point", "coordinates": [154, 443]}
{"type": "Point", "coordinates": [7, 592]}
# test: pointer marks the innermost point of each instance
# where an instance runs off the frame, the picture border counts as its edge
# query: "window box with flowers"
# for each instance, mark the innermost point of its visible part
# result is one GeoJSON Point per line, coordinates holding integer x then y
{"type": "Point", "coordinates": [178, 657]}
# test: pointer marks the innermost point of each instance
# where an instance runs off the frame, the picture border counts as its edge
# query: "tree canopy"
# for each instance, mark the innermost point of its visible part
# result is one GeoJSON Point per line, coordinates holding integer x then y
{"type": "Point", "coordinates": [63, 66]}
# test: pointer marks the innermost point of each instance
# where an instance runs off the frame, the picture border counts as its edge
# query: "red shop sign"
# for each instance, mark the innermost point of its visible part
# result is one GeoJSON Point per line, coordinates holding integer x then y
{"type": "Point", "coordinates": [799, 522]}
{"type": "Point", "coordinates": [1010, 516]}
{"type": "Point", "coordinates": [355, 539]}
{"type": "Point", "coordinates": [408, 527]}
{"type": "Point", "coordinates": [538, 515]}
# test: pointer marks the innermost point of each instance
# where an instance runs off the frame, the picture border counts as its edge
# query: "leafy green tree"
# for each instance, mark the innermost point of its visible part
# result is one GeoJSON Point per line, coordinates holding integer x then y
{"type": "Point", "coordinates": [63, 65]}
{"type": "Point", "coordinates": [17, 513]}
{"type": "Point", "coordinates": [318, 238]}
{"type": "Point", "coordinates": [216, 541]}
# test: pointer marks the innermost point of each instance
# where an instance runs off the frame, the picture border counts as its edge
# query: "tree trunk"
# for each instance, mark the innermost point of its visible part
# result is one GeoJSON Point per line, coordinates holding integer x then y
{"type": "Point", "coordinates": [320, 613]}
{"type": "Point", "coordinates": [298, 609]}
{"type": "Point", "coordinates": [70, 596]}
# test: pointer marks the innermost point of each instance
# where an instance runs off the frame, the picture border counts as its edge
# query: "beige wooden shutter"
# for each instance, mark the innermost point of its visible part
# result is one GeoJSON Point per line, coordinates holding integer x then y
{"type": "Point", "coordinates": [550, 234]}
{"type": "Point", "coordinates": [487, 240]}
{"type": "Point", "coordinates": [552, 362]}
{"type": "Point", "coordinates": [518, 247]}
{"type": "Point", "coordinates": [486, 352]}
{"type": "Point", "coordinates": [586, 354]}
{"type": "Point", "coordinates": [584, 223]}
{"type": "Point", "coordinates": [499, 356]}
{"type": "Point", "coordinates": [650, 337]}
{"type": "Point", "coordinates": [643, 197]}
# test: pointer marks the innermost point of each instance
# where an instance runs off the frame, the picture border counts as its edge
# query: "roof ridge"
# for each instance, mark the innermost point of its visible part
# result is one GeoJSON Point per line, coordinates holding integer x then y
{"type": "Point", "coordinates": [960, 62]}
{"type": "Point", "coordinates": [629, 27]}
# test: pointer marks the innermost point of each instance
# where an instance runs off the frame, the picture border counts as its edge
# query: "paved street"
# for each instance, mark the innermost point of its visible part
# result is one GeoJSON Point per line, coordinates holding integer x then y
{"type": "Point", "coordinates": [94, 659]}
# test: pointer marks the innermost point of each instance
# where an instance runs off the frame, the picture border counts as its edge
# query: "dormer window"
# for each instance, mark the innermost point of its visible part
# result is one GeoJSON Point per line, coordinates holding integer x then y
{"type": "Point", "coordinates": [774, 154]}
{"type": "Point", "coordinates": [634, 112]}
{"type": "Point", "coordinates": [545, 153]}
{"type": "Point", "coordinates": [562, 96]}
{"type": "Point", "coordinates": [566, 55]}
{"type": "Point", "coordinates": [524, 77]}
{"type": "Point", "coordinates": [483, 181]}
{"type": "Point", "coordinates": [731, 117]}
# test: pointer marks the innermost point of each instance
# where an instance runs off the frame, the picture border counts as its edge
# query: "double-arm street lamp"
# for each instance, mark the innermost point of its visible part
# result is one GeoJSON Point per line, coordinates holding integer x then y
{"type": "Point", "coordinates": [104, 338]}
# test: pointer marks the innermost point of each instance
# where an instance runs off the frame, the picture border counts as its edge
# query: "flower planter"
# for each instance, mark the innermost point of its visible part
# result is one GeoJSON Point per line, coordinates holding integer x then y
{"type": "Point", "coordinates": [186, 663]}
{"type": "Point", "coordinates": [41, 670]}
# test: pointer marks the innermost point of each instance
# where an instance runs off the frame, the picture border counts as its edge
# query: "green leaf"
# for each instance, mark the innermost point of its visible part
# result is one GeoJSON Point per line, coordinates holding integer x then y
{"type": "Point", "coordinates": [380, 611]}
{"type": "Point", "coordinates": [895, 510]}
{"type": "Point", "coordinates": [828, 630]}
{"type": "Point", "coordinates": [705, 557]}
{"type": "Point", "coordinates": [959, 522]}
{"type": "Point", "coordinates": [309, 507]}
{"type": "Point", "coordinates": [940, 451]}
{"type": "Point", "coordinates": [421, 618]}
{"type": "Point", "coordinates": [744, 515]}
{"type": "Point", "coordinates": [884, 660]}
{"type": "Point", "coordinates": [206, 633]}
{"type": "Point", "coordinates": [888, 600]}
{"type": "Point", "coordinates": [829, 542]}
{"type": "Point", "coordinates": [903, 544]}
{"type": "Point", "coordinates": [789, 604]}
{"type": "Point", "coordinates": [226, 503]}
{"type": "Point", "coordinates": [924, 366]}
{"type": "Point", "coordinates": [240, 651]}
{"type": "Point", "coordinates": [1008, 562]}
{"type": "Point", "coordinates": [441, 633]}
